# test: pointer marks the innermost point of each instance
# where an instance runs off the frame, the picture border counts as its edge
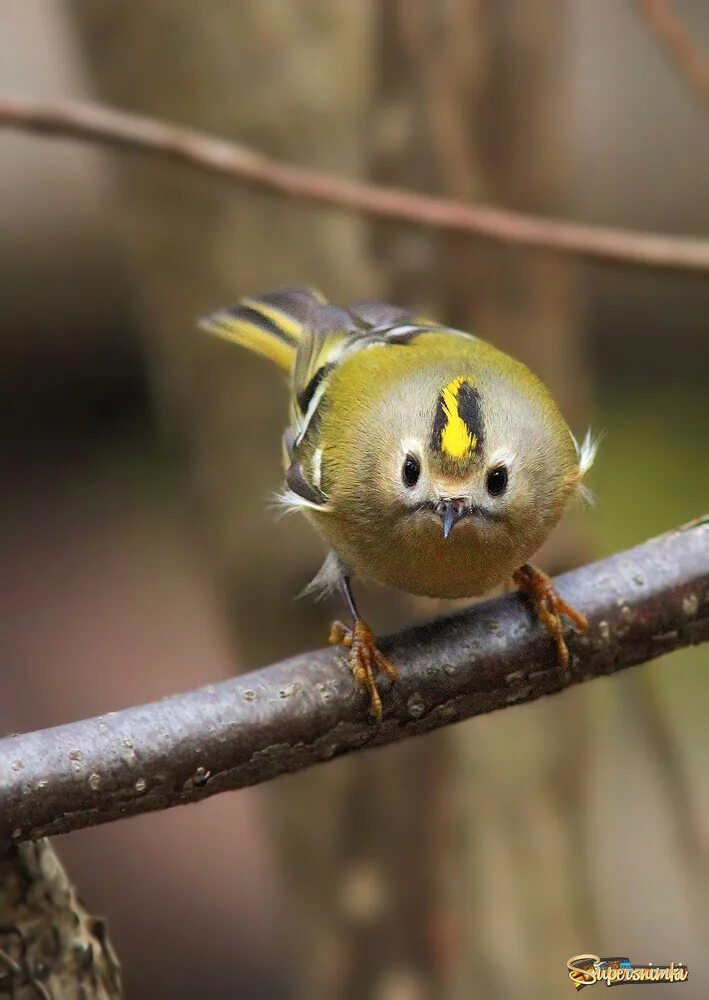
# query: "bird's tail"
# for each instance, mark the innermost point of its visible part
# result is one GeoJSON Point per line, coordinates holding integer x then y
{"type": "Point", "coordinates": [271, 325]}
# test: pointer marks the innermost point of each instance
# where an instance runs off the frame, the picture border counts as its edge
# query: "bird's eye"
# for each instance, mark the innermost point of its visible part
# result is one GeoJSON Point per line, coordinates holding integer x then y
{"type": "Point", "coordinates": [497, 480]}
{"type": "Point", "coordinates": [410, 471]}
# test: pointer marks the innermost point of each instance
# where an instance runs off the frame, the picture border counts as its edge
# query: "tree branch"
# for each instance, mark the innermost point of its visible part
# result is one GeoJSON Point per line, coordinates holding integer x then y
{"type": "Point", "coordinates": [94, 123]}
{"type": "Point", "coordinates": [669, 32]}
{"type": "Point", "coordinates": [640, 603]}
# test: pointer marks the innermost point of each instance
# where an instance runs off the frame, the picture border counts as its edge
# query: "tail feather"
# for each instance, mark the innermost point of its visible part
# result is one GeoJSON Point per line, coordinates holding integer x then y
{"type": "Point", "coordinates": [270, 325]}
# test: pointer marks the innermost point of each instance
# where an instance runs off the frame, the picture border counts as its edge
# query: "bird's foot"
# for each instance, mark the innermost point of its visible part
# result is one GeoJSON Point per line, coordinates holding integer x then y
{"type": "Point", "coordinates": [548, 607]}
{"type": "Point", "coordinates": [365, 659]}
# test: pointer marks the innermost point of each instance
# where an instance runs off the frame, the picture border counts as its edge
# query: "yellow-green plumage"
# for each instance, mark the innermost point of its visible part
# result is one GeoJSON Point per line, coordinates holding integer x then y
{"type": "Point", "coordinates": [373, 387]}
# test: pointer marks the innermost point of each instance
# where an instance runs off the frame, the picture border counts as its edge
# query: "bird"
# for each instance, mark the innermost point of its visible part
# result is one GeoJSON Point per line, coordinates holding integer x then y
{"type": "Point", "coordinates": [428, 460]}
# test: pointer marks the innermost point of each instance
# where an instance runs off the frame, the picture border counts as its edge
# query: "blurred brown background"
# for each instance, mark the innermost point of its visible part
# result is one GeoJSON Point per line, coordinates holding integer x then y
{"type": "Point", "coordinates": [139, 557]}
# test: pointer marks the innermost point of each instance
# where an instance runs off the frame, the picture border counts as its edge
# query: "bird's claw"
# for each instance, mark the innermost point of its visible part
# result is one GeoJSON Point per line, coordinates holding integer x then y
{"type": "Point", "coordinates": [548, 607]}
{"type": "Point", "coordinates": [365, 659]}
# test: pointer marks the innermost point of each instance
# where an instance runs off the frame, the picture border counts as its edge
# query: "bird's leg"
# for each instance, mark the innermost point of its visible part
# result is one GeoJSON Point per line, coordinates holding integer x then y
{"type": "Point", "coordinates": [548, 607]}
{"type": "Point", "coordinates": [365, 659]}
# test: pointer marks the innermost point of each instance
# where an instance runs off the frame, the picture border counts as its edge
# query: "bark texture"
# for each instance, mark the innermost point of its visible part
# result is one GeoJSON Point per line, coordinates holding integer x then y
{"type": "Point", "coordinates": [51, 947]}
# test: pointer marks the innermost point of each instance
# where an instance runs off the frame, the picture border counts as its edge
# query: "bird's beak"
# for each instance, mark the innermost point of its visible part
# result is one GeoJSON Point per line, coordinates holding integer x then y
{"type": "Point", "coordinates": [450, 512]}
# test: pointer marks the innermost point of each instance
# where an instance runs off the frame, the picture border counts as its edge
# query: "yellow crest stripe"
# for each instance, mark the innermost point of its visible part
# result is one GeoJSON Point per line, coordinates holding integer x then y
{"type": "Point", "coordinates": [456, 439]}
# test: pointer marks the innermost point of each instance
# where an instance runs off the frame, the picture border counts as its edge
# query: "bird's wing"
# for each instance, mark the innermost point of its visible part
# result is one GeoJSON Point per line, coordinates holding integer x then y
{"type": "Point", "coordinates": [332, 335]}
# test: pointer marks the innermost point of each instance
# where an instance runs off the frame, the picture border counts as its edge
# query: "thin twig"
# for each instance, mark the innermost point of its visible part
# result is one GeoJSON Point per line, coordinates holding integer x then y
{"type": "Point", "coordinates": [640, 604]}
{"type": "Point", "coordinates": [671, 34]}
{"type": "Point", "coordinates": [95, 123]}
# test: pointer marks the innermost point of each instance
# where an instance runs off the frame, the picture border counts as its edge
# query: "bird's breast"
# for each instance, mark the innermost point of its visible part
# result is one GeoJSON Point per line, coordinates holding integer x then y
{"type": "Point", "coordinates": [412, 555]}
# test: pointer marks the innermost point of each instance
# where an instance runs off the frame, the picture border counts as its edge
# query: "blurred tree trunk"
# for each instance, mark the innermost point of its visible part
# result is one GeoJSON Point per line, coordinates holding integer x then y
{"type": "Point", "coordinates": [294, 80]}
{"type": "Point", "coordinates": [471, 102]}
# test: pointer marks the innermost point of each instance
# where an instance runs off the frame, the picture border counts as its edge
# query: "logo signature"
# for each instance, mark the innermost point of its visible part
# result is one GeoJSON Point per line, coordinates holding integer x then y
{"type": "Point", "coordinates": [585, 970]}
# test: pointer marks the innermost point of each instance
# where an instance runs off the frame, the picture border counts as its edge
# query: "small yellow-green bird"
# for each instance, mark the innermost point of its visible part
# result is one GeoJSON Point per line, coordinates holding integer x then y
{"type": "Point", "coordinates": [427, 459]}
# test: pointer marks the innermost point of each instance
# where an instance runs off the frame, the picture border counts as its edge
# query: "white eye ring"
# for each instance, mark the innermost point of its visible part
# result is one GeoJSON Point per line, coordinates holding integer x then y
{"type": "Point", "coordinates": [410, 446]}
{"type": "Point", "coordinates": [503, 456]}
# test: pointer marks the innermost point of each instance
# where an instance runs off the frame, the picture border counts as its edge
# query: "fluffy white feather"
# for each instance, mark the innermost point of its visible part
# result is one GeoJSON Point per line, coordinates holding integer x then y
{"type": "Point", "coordinates": [587, 451]}
{"type": "Point", "coordinates": [326, 579]}
{"type": "Point", "coordinates": [286, 501]}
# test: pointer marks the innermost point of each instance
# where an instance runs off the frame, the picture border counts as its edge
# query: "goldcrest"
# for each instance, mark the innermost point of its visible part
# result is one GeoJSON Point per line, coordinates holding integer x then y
{"type": "Point", "coordinates": [427, 459]}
